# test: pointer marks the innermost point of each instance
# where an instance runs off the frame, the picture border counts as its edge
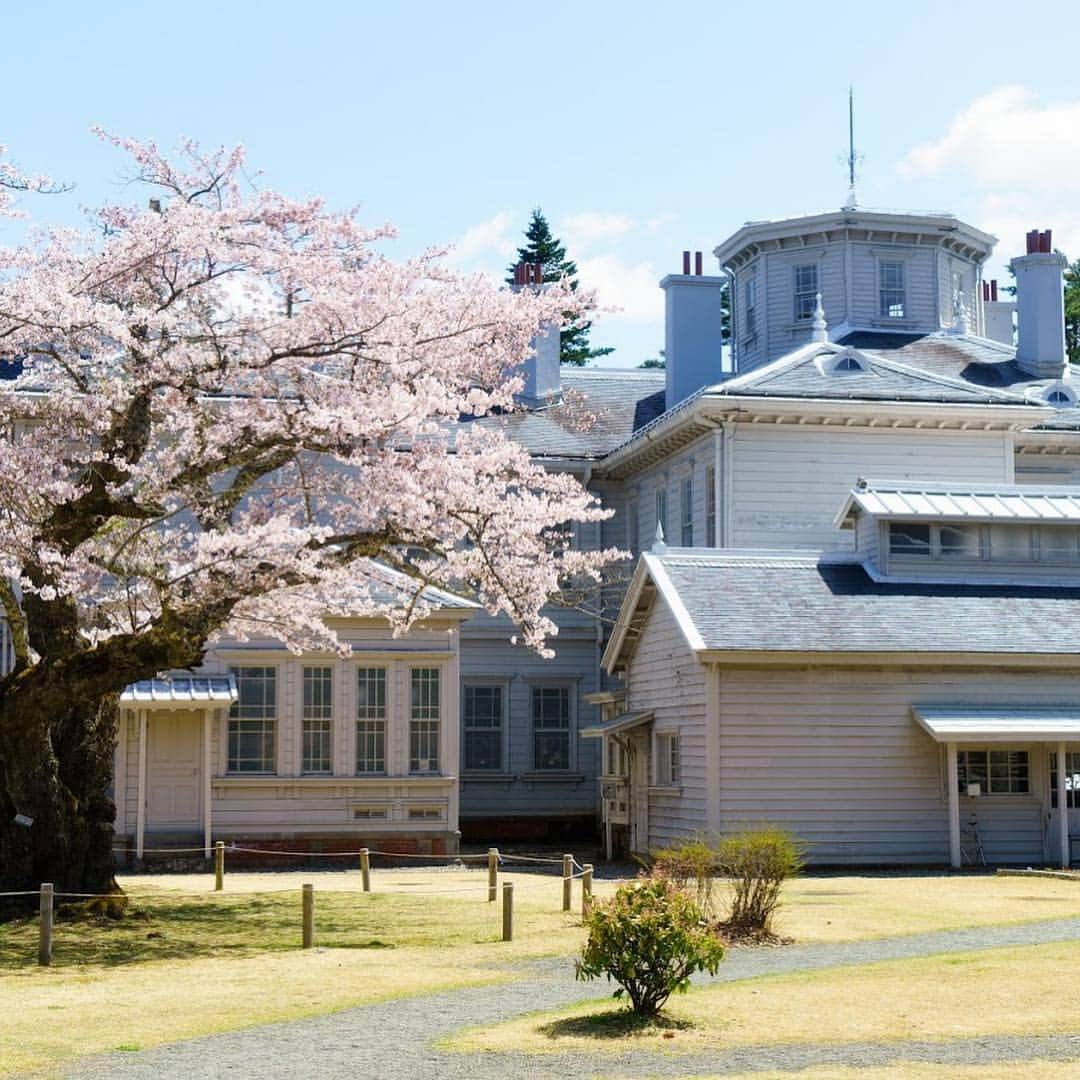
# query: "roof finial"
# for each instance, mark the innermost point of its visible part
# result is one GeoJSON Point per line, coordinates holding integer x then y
{"type": "Point", "coordinates": [820, 328]}
{"type": "Point", "coordinates": [852, 202]}
{"type": "Point", "coordinates": [658, 542]}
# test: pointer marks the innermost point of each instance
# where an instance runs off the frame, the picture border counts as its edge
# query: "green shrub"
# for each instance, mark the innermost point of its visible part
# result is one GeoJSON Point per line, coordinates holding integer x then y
{"type": "Point", "coordinates": [649, 938]}
{"type": "Point", "coordinates": [757, 862]}
{"type": "Point", "coordinates": [691, 865]}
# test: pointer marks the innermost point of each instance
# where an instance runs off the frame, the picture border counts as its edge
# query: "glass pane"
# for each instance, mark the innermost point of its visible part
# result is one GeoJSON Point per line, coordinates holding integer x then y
{"type": "Point", "coordinates": [959, 541]}
{"type": "Point", "coordinates": [371, 693]}
{"type": "Point", "coordinates": [1058, 543]}
{"type": "Point", "coordinates": [909, 539]}
{"type": "Point", "coordinates": [1010, 542]}
{"type": "Point", "coordinates": [483, 750]}
{"type": "Point", "coordinates": [551, 750]}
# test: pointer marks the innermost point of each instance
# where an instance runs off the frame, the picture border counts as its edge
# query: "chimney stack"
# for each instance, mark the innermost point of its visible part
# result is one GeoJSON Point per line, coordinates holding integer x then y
{"type": "Point", "coordinates": [692, 330]}
{"type": "Point", "coordinates": [997, 315]}
{"type": "Point", "coordinates": [542, 370]}
{"type": "Point", "coordinates": [1040, 308]}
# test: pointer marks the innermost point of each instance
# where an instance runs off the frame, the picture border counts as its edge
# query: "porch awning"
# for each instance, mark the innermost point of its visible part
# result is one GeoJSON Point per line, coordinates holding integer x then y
{"type": "Point", "coordinates": [987, 724]}
{"type": "Point", "coordinates": [181, 691]}
{"type": "Point", "coordinates": [622, 722]}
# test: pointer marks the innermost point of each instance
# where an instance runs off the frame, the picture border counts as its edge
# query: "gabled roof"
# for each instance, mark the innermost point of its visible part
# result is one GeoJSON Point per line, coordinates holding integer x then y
{"type": "Point", "coordinates": [1009, 503]}
{"type": "Point", "coordinates": [391, 586]}
{"type": "Point", "coordinates": [883, 377]}
{"type": "Point", "coordinates": [762, 607]}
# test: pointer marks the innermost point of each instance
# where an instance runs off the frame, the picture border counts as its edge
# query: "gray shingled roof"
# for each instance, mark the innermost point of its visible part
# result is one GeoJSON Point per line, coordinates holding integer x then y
{"type": "Point", "coordinates": [600, 410]}
{"type": "Point", "coordinates": [778, 603]}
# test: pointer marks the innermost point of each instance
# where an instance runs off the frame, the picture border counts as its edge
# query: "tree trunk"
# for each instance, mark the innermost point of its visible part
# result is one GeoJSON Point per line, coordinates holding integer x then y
{"type": "Point", "coordinates": [56, 770]}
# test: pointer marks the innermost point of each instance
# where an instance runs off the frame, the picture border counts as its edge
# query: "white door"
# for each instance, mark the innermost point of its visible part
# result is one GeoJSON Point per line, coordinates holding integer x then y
{"type": "Point", "coordinates": [174, 770]}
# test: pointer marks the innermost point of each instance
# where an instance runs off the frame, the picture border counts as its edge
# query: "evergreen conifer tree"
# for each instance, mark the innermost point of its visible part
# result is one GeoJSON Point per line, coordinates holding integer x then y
{"type": "Point", "coordinates": [541, 247]}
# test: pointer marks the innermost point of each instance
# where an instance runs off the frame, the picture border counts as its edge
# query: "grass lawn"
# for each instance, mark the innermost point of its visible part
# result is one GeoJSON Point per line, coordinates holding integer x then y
{"type": "Point", "coordinates": [233, 958]}
{"type": "Point", "coordinates": [189, 961]}
{"type": "Point", "coordinates": [1011, 991]}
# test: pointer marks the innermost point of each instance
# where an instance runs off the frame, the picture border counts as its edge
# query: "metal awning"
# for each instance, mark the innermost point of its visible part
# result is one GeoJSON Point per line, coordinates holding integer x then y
{"type": "Point", "coordinates": [181, 691]}
{"type": "Point", "coordinates": [955, 724]}
{"type": "Point", "coordinates": [622, 722]}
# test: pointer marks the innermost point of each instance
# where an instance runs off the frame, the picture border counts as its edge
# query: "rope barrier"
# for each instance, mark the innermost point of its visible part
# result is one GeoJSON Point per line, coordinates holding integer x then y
{"type": "Point", "coordinates": [529, 859]}
{"type": "Point", "coordinates": [162, 850]}
{"type": "Point", "coordinates": [25, 892]}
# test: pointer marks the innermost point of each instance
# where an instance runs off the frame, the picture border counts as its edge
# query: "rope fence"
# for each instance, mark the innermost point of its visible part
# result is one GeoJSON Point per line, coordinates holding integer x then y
{"type": "Point", "coordinates": [571, 871]}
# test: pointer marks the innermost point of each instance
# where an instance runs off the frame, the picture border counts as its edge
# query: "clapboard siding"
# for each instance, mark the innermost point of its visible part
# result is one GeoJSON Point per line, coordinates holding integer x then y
{"type": "Point", "coordinates": [786, 333]}
{"type": "Point", "coordinates": [487, 655]}
{"type": "Point", "coordinates": [1040, 469]}
{"type": "Point", "coordinates": [835, 756]}
{"type": "Point", "coordinates": [694, 462]}
{"type": "Point", "coordinates": [665, 677]}
{"type": "Point", "coordinates": [789, 483]}
{"type": "Point", "coordinates": [920, 284]}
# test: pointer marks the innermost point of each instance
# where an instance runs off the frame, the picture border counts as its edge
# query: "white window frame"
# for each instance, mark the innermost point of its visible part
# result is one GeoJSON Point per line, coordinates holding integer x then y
{"type": "Point", "coordinates": [804, 296]}
{"type": "Point", "coordinates": [667, 759]}
{"type": "Point", "coordinates": [887, 294]}
{"type": "Point", "coordinates": [571, 730]}
{"type": "Point", "coordinates": [316, 720]}
{"type": "Point", "coordinates": [268, 719]}
{"type": "Point", "coordinates": [425, 720]}
{"type": "Point", "coordinates": [750, 306]}
{"type": "Point", "coordinates": [1072, 780]}
{"type": "Point", "coordinates": [370, 721]}
{"type": "Point", "coordinates": [504, 725]}
{"type": "Point", "coordinates": [710, 506]}
{"type": "Point", "coordinates": [964, 755]}
{"type": "Point", "coordinates": [661, 509]}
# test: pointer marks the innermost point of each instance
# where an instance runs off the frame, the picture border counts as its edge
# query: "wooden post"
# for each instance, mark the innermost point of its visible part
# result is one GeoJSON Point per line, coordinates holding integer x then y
{"type": "Point", "coordinates": [219, 866]}
{"type": "Point", "coordinates": [1063, 807]}
{"type": "Point", "coordinates": [567, 880]}
{"type": "Point", "coordinates": [508, 911]}
{"type": "Point", "coordinates": [45, 925]}
{"type": "Point", "coordinates": [309, 916]}
{"type": "Point", "coordinates": [952, 779]}
{"type": "Point", "coordinates": [365, 868]}
{"type": "Point", "coordinates": [493, 873]}
{"type": "Point", "coordinates": [586, 891]}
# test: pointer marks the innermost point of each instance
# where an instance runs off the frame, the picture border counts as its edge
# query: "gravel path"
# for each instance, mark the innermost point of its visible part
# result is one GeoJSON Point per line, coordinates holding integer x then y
{"type": "Point", "coordinates": [395, 1040]}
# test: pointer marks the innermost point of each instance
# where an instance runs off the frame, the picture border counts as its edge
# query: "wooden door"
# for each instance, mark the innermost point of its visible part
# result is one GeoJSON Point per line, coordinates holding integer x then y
{"type": "Point", "coordinates": [174, 770]}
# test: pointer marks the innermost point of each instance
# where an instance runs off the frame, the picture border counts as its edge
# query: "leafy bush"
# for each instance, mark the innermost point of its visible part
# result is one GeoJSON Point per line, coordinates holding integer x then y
{"type": "Point", "coordinates": [757, 862]}
{"type": "Point", "coordinates": [649, 938]}
{"type": "Point", "coordinates": [691, 866]}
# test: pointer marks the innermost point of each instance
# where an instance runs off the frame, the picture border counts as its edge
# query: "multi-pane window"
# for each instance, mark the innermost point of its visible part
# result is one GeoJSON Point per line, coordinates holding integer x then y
{"type": "Point", "coordinates": [1011, 543]}
{"type": "Point", "coordinates": [710, 507]}
{"type": "Point", "coordinates": [891, 287]}
{"type": "Point", "coordinates": [997, 772]}
{"type": "Point", "coordinates": [1059, 543]}
{"type": "Point", "coordinates": [661, 510]}
{"type": "Point", "coordinates": [687, 509]}
{"type": "Point", "coordinates": [668, 771]}
{"type": "Point", "coordinates": [958, 541]}
{"type": "Point", "coordinates": [482, 724]}
{"type": "Point", "coordinates": [424, 719]}
{"type": "Point", "coordinates": [318, 719]}
{"type": "Point", "coordinates": [551, 727]}
{"type": "Point", "coordinates": [750, 293]}
{"type": "Point", "coordinates": [617, 764]}
{"type": "Point", "coordinates": [1072, 780]}
{"type": "Point", "coordinates": [806, 290]}
{"type": "Point", "coordinates": [370, 720]}
{"type": "Point", "coordinates": [253, 721]}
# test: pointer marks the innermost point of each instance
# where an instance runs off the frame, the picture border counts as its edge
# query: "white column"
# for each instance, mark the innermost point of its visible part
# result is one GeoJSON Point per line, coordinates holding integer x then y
{"type": "Point", "coordinates": [208, 730]}
{"type": "Point", "coordinates": [1063, 806]}
{"type": "Point", "coordinates": [140, 813]}
{"type": "Point", "coordinates": [954, 805]}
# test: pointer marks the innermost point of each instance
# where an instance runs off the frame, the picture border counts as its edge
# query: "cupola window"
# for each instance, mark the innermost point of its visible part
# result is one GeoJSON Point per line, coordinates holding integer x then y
{"type": "Point", "coordinates": [806, 290]}
{"type": "Point", "coordinates": [891, 288]}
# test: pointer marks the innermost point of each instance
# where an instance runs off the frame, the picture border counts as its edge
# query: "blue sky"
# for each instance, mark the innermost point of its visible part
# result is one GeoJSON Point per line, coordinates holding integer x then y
{"type": "Point", "coordinates": [641, 129]}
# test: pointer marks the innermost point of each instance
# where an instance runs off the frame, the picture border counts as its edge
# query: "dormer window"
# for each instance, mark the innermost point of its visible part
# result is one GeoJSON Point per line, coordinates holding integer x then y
{"type": "Point", "coordinates": [1058, 397]}
{"type": "Point", "coordinates": [1059, 394]}
{"type": "Point", "coordinates": [891, 289]}
{"type": "Point", "coordinates": [806, 290]}
{"type": "Point", "coordinates": [841, 363]}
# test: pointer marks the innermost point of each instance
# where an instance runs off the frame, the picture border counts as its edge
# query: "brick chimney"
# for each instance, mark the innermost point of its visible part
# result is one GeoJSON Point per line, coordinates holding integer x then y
{"type": "Point", "coordinates": [692, 330]}
{"type": "Point", "coordinates": [542, 369]}
{"type": "Point", "coordinates": [1040, 308]}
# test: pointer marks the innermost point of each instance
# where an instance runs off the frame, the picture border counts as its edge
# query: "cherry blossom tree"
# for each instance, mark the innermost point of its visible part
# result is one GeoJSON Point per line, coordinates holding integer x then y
{"type": "Point", "coordinates": [229, 402]}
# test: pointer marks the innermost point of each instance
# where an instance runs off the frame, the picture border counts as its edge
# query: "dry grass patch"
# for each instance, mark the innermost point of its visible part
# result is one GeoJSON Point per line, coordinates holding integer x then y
{"type": "Point", "coordinates": [189, 963]}
{"type": "Point", "coordinates": [988, 992]}
{"type": "Point", "coordinates": [850, 908]}
{"type": "Point", "coordinates": [919, 1070]}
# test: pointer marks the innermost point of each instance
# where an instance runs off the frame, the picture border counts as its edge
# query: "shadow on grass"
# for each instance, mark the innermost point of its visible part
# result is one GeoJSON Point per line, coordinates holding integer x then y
{"type": "Point", "coordinates": [611, 1024]}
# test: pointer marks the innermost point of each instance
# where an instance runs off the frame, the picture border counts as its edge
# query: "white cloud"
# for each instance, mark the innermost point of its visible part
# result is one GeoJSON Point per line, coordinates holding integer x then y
{"type": "Point", "coordinates": [1018, 159]}
{"type": "Point", "coordinates": [497, 235]}
{"type": "Point", "coordinates": [590, 227]}
{"type": "Point", "coordinates": [665, 217]}
{"type": "Point", "coordinates": [630, 286]}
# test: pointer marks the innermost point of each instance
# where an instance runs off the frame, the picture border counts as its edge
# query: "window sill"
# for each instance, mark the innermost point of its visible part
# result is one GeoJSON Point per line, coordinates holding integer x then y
{"type": "Point", "coordinates": [479, 776]}
{"type": "Point", "coordinates": [553, 777]}
{"type": "Point", "coordinates": [664, 789]}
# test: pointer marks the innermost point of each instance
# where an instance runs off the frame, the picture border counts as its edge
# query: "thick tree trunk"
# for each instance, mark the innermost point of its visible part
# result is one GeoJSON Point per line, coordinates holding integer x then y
{"type": "Point", "coordinates": [56, 768]}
